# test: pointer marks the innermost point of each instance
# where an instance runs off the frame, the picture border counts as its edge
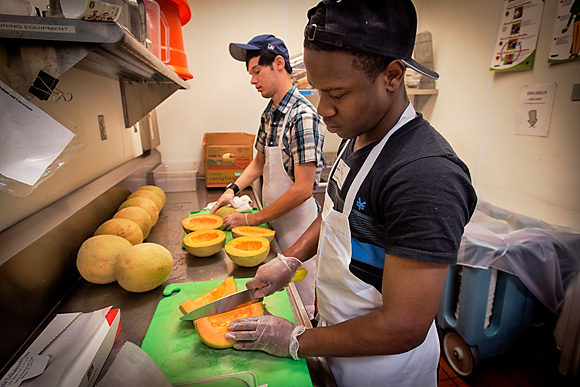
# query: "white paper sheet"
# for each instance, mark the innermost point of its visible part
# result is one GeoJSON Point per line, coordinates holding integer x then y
{"type": "Point", "coordinates": [30, 139]}
{"type": "Point", "coordinates": [535, 109]}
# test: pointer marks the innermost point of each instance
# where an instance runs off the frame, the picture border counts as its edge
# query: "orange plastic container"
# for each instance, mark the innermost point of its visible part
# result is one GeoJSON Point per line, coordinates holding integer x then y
{"type": "Point", "coordinates": [177, 13]}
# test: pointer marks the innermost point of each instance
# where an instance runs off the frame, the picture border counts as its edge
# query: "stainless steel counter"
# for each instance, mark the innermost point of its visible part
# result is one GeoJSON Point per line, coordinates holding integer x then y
{"type": "Point", "coordinates": [137, 309]}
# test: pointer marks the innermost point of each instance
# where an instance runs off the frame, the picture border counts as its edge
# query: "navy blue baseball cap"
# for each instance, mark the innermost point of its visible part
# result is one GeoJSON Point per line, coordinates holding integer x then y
{"type": "Point", "coordinates": [239, 51]}
{"type": "Point", "coordinates": [385, 27]}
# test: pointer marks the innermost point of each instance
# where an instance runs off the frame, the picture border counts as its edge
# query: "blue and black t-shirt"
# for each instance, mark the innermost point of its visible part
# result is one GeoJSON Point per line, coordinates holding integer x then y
{"type": "Point", "coordinates": [413, 204]}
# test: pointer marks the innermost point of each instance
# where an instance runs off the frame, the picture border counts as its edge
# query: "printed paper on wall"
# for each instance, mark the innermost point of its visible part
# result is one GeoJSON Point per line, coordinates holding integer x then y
{"type": "Point", "coordinates": [518, 34]}
{"type": "Point", "coordinates": [566, 40]}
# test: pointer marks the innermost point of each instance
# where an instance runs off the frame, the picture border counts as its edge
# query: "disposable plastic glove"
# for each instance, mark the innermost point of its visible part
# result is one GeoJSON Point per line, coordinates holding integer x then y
{"type": "Point", "coordinates": [225, 199]}
{"type": "Point", "coordinates": [274, 275]}
{"type": "Point", "coordinates": [271, 334]}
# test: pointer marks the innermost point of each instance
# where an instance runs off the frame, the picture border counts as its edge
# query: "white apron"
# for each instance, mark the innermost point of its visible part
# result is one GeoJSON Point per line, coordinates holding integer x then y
{"type": "Point", "coordinates": [291, 226]}
{"type": "Point", "coordinates": [342, 296]}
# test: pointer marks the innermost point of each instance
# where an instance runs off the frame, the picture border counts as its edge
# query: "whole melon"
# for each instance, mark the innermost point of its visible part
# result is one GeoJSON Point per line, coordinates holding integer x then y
{"type": "Point", "coordinates": [225, 211]}
{"type": "Point", "coordinates": [146, 204]}
{"type": "Point", "coordinates": [155, 189]}
{"type": "Point", "coordinates": [137, 215]}
{"type": "Point", "coordinates": [97, 257]}
{"type": "Point", "coordinates": [149, 195]}
{"type": "Point", "coordinates": [143, 267]}
{"type": "Point", "coordinates": [125, 228]}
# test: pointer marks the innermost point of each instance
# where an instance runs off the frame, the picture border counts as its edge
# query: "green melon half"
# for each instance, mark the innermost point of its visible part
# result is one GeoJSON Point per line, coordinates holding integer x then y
{"type": "Point", "coordinates": [212, 330]}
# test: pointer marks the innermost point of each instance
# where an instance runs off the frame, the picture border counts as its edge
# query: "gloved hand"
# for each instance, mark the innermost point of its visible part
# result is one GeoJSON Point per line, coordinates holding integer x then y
{"type": "Point", "coordinates": [271, 334]}
{"type": "Point", "coordinates": [236, 219]}
{"type": "Point", "coordinates": [274, 275]}
{"type": "Point", "coordinates": [225, 199]}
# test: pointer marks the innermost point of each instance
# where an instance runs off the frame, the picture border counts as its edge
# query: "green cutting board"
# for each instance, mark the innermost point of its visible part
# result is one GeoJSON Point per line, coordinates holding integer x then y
{"type": "Point", "coordinates": [176, 347]}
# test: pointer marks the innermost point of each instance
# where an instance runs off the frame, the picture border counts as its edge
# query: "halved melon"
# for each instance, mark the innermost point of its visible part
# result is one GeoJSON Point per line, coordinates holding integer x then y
{"type": "Point", "coordinates": [199, 222]}
{"type": "Point", "coordinates": [248, 251]}
{"type": "Point", "coordinates": [224, 289]}
{"type": "Point", "coordinates": [204, 243]}
{"type": "Point", "coordinates": [212, 330]}
{"type": "Point", "coordinates": [253, 231]}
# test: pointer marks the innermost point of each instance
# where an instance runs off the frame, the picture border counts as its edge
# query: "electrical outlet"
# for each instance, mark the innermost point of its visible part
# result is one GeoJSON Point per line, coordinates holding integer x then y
{"type": "Point", "coordinates": [576, 92]}
{"type": "Point", "coordinates": [102, 128]}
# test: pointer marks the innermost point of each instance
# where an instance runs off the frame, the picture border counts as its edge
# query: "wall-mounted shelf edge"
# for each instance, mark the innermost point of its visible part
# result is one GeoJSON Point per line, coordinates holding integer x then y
{"type": "Point", "coordinates": [55, 45]}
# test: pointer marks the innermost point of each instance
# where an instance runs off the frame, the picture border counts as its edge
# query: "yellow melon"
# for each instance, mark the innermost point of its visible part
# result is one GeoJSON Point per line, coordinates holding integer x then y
{"type": "Point", "coordinates": [248, 251]}
{"type": "Point", "coordinates": [143, 267]}
{"type": "Point", "coordinates": [253, 231]}
{"type": "Point", "coordinates": [225, 211]}
{"type": "Point", "coordinates": [199, 222]}
{"type": "Point", "coordinates": [155, 189]}
{"type": "Point", "coordinates": [146, 204]}
{"type": "Point", "coordinates": [124, 228]}
{"type": "Point", "coordinates": [204, 243]}
{"type": "Point", "coordinates": [149, 195]}
{"type": "Point", "coordinates": [212, 330]}
{"type": "Point", "coordinates": [226, 288]}
{"type": "Point", "coordinates": [137, 215]}
{"type": "Point", "coordinates": [97, 257]}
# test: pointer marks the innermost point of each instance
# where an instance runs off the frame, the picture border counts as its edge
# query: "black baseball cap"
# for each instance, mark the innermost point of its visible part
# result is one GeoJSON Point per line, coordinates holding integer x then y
{"type": "Point", "coordinates": [385, 27]}
{"type": "Point", "coordinates": [239, 51]}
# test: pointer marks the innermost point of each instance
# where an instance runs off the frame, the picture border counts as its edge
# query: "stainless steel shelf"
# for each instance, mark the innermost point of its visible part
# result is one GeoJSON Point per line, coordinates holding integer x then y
{"type": "Point", "coordinates": [55, 45]}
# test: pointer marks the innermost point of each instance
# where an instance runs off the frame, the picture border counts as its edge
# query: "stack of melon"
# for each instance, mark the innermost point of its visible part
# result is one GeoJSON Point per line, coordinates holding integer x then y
{"type": "Point", "coordinates": [204, 238]}
{"type": "Point", "coordinates": [116, 252]}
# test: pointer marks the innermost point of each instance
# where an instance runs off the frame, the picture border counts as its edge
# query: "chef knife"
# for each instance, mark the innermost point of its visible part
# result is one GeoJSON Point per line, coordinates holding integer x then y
{"type": "Point", "coordinates": [233, 301]}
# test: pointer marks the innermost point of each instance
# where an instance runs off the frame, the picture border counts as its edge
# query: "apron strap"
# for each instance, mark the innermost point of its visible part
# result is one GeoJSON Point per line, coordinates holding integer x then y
{"type": "Point", "coordinates": [407, 116]}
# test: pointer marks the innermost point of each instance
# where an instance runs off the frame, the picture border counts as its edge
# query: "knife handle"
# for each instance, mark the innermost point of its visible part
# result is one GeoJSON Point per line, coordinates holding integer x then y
{"type": "Point", "coordinates": [300, 275]}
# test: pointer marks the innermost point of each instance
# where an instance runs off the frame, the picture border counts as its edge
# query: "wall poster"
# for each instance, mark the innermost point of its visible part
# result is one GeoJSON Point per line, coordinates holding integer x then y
{"type": "Point", "coordinates": [517, 36]}
{"type": "Point", "coordinates": [566, 40]}
{"type": "Point", "coordinates": [535, 109]}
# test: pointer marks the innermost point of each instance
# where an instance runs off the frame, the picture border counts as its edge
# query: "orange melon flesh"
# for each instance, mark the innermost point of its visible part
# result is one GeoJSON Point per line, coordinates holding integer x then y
{"type": "Point", "coordinates": [212, 330]}
{"type": "Point", "coordinates": [224, 289]}
{"type": "Point", "coordinates": [199, 222]}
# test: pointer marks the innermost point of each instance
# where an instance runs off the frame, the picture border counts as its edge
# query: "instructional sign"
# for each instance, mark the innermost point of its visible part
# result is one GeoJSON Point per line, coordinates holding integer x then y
{"type": "Point", "coordinates": [566, 40]}
{"type": "Point", "coordinates": [515, 46]}
{"type": "Point", "coordinates": [535, 109]}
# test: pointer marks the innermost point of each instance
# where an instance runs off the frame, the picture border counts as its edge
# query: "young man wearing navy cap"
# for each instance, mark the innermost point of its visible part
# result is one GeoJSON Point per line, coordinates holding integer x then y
{"type": "Point", "coordinates": [396, 205]}
{"type": "Point", "coordinates": [289, 155]}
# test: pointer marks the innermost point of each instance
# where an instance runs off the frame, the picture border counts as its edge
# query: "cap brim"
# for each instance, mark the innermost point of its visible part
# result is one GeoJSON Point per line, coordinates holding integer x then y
{"type": "Point", "coordinates": [239, 51]}
{"type": "Point", "coordinates": [418, 67]}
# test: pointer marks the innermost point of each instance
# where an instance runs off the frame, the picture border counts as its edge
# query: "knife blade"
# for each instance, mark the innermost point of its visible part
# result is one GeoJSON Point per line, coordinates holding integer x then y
{"type": "Point", "coordinates": [233, 301]}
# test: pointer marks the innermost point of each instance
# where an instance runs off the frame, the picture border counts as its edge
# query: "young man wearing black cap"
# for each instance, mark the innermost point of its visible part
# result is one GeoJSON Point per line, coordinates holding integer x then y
{"type": "Point", "coordinates": [289, 155]}
{"type": "Point", "coordinates": [396, 205]}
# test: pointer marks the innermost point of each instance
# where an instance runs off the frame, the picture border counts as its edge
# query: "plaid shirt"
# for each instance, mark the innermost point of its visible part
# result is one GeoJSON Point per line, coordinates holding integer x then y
{"type": "Point", "coordinates": [303, 135]}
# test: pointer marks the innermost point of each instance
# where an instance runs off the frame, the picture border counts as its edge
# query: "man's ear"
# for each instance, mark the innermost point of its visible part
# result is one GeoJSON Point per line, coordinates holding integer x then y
{"type": "Point", "coordinates": [279, 63]}
{"type": "Point", "coordinates": [394, 75]}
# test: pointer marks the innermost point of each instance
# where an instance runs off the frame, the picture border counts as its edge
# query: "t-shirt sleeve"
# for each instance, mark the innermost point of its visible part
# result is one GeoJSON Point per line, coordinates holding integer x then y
{"type": "Point", "coordinates": [429, 203]}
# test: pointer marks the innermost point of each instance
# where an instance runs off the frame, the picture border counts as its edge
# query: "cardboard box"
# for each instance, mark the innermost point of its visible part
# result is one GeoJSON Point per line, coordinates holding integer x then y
{"type": "Point", "coordinates": [77, 345]}
{"type": "Point", "coordinates": [226, 155]}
